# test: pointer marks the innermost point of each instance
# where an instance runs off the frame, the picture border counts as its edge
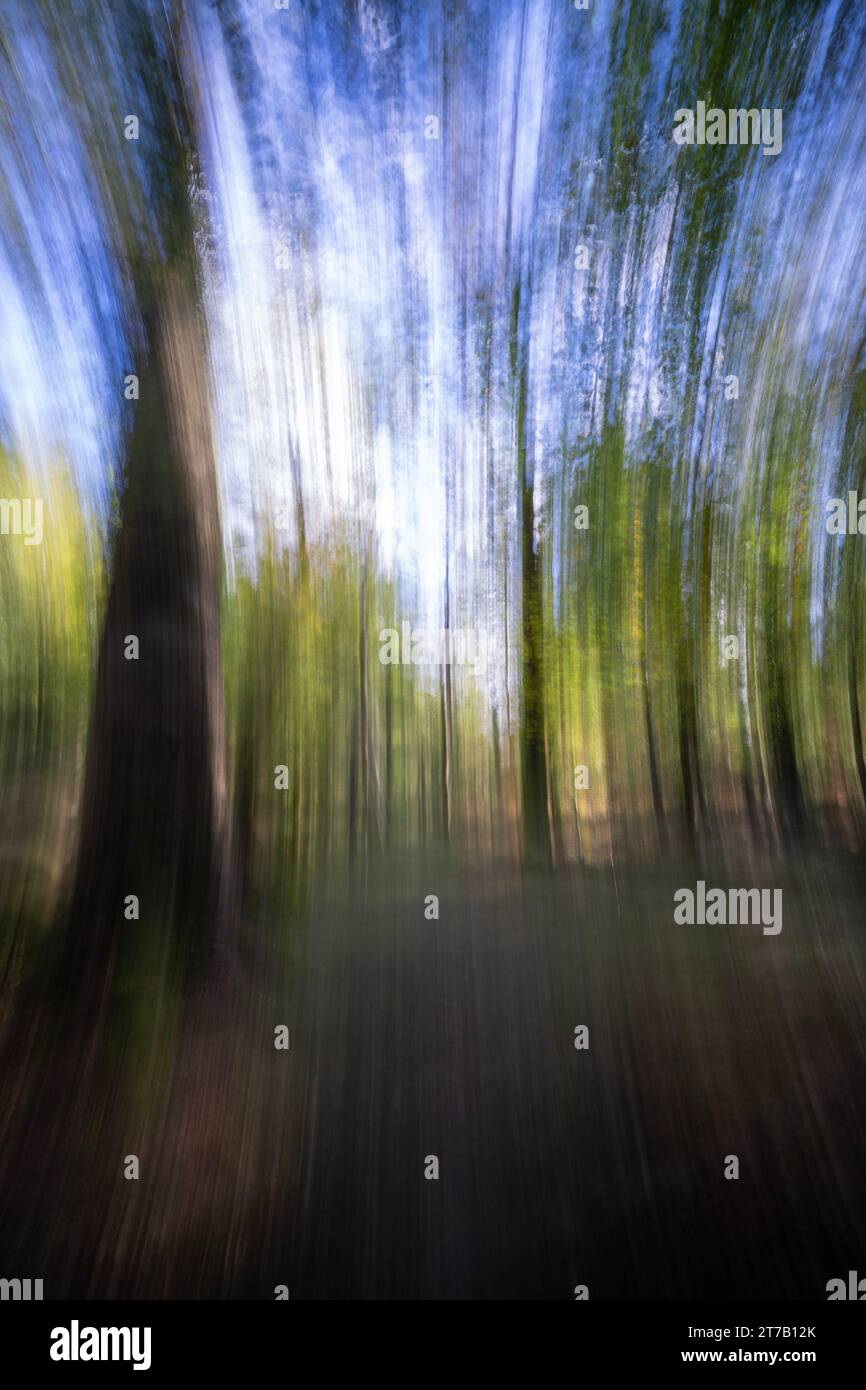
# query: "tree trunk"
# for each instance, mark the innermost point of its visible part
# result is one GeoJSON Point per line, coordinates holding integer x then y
{"type": "Point", "coordinates": [155, 818]}
{"type": "Point", "coordinates": [533, 750]}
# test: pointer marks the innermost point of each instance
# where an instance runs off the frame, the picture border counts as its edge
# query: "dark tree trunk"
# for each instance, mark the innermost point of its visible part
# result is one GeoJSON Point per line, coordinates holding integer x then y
{"type": "Point", "coordinates": [533, 752]}
{"type": "Point", "coordinates": [154, 814]}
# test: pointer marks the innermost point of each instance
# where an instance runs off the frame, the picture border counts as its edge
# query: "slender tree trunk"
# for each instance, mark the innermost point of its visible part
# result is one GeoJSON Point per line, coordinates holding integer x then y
{"type": "Point", "coordinates": [655, 780]}
{"type": "Point", "coordinates": [533, 751]}
{"type": "Point", "coordinates": [446, 725]}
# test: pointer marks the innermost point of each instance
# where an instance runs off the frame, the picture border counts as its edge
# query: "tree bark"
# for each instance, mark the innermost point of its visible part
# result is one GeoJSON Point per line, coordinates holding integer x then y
{"type": "Point", "coordinates": [155, 819]}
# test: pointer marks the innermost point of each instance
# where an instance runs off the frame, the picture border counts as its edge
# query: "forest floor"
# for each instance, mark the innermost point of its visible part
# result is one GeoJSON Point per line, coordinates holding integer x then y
{"type": "Point", "coordinates": [455, 1038]}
